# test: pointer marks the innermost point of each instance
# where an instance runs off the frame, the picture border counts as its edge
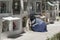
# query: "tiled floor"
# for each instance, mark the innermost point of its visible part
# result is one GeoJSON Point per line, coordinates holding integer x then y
{"type": "Point", "coordinates": [52, 29]}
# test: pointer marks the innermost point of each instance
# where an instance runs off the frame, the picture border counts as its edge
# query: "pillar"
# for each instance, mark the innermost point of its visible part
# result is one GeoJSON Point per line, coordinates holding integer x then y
{"type": "Point", "coordinates": [11, 25]}
{"type": "Point", "coordinates": [0, 25]}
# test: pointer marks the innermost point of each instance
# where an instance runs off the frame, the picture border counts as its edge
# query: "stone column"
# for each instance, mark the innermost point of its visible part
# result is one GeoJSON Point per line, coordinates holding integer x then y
{"type": "Point", "coordinates": [57, 8]}
{"type": "Point", "coordinates": [10, 25]}
{"type": "Point", "coordinates": [21, 16]}
{"type": "Point", "coordinates": [22, 7]}
{"type": "Point", "coordinates": [0, 25]}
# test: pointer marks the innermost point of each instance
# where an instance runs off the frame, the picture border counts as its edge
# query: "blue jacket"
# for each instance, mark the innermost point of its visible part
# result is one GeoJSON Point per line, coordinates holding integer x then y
{"type": "Point", "coordinates": [39, 25]}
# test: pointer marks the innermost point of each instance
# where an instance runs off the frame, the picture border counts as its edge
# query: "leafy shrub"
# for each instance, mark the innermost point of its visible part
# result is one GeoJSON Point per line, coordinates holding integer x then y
{"type": "Point", "coordinates": [55, 37]}
{"type": "Point", "coordinates": [24, 21]}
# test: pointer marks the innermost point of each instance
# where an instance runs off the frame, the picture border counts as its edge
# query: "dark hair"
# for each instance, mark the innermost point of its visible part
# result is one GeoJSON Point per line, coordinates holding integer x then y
{"type": "Point", "coordinates": [32, 17]}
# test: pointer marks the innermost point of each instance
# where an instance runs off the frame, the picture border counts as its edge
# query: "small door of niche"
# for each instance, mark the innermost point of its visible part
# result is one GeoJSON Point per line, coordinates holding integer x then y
{"type": "Point", "coordinates": [16, 25]}
{"type": "Point", "coordinates": [5, 26]}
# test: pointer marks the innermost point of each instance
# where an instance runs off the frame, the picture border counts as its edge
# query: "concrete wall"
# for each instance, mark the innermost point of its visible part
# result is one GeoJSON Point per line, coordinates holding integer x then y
{"type": "Point", "coordinates": [19, 23]}
{"type": "Point", "coordinates": [8, 2]}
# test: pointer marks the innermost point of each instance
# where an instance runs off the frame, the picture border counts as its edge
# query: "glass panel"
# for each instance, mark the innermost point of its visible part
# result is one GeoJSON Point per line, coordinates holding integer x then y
{"type": "Point", "coordinates": [59, 14]}
{"type": "Point", "coordinates": [50, 14]}
{"type": "Point", "coordinates": [25, 6]}
{"type": "Point", "coordinates": [4, 7]}
{"type": "Point", "coordinates": [16, 7]}
{"type": "Point", "coordinates": [32, 6]}
{"type": "Point", "coordinates": [59, 6]}
{"type": "Point", "coordinates": [38, 9]}
{"type": "Point", "coordinates": [43, 6]}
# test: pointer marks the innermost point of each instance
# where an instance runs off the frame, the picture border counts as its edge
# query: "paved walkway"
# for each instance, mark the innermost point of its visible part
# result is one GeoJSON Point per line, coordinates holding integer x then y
{"type": "Point", "coordinates": [52, 29]}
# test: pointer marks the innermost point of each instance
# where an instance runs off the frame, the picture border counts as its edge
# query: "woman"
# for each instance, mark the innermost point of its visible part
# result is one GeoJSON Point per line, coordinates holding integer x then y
{"type": "Point", "coordinates": [37, 24]}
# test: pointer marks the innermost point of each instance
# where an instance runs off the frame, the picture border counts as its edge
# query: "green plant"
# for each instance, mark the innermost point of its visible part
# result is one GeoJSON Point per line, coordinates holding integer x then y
{"type": "Point", "coordinates": [24, 21]}
{"type": "Point", "coordinates": [55, 37]}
